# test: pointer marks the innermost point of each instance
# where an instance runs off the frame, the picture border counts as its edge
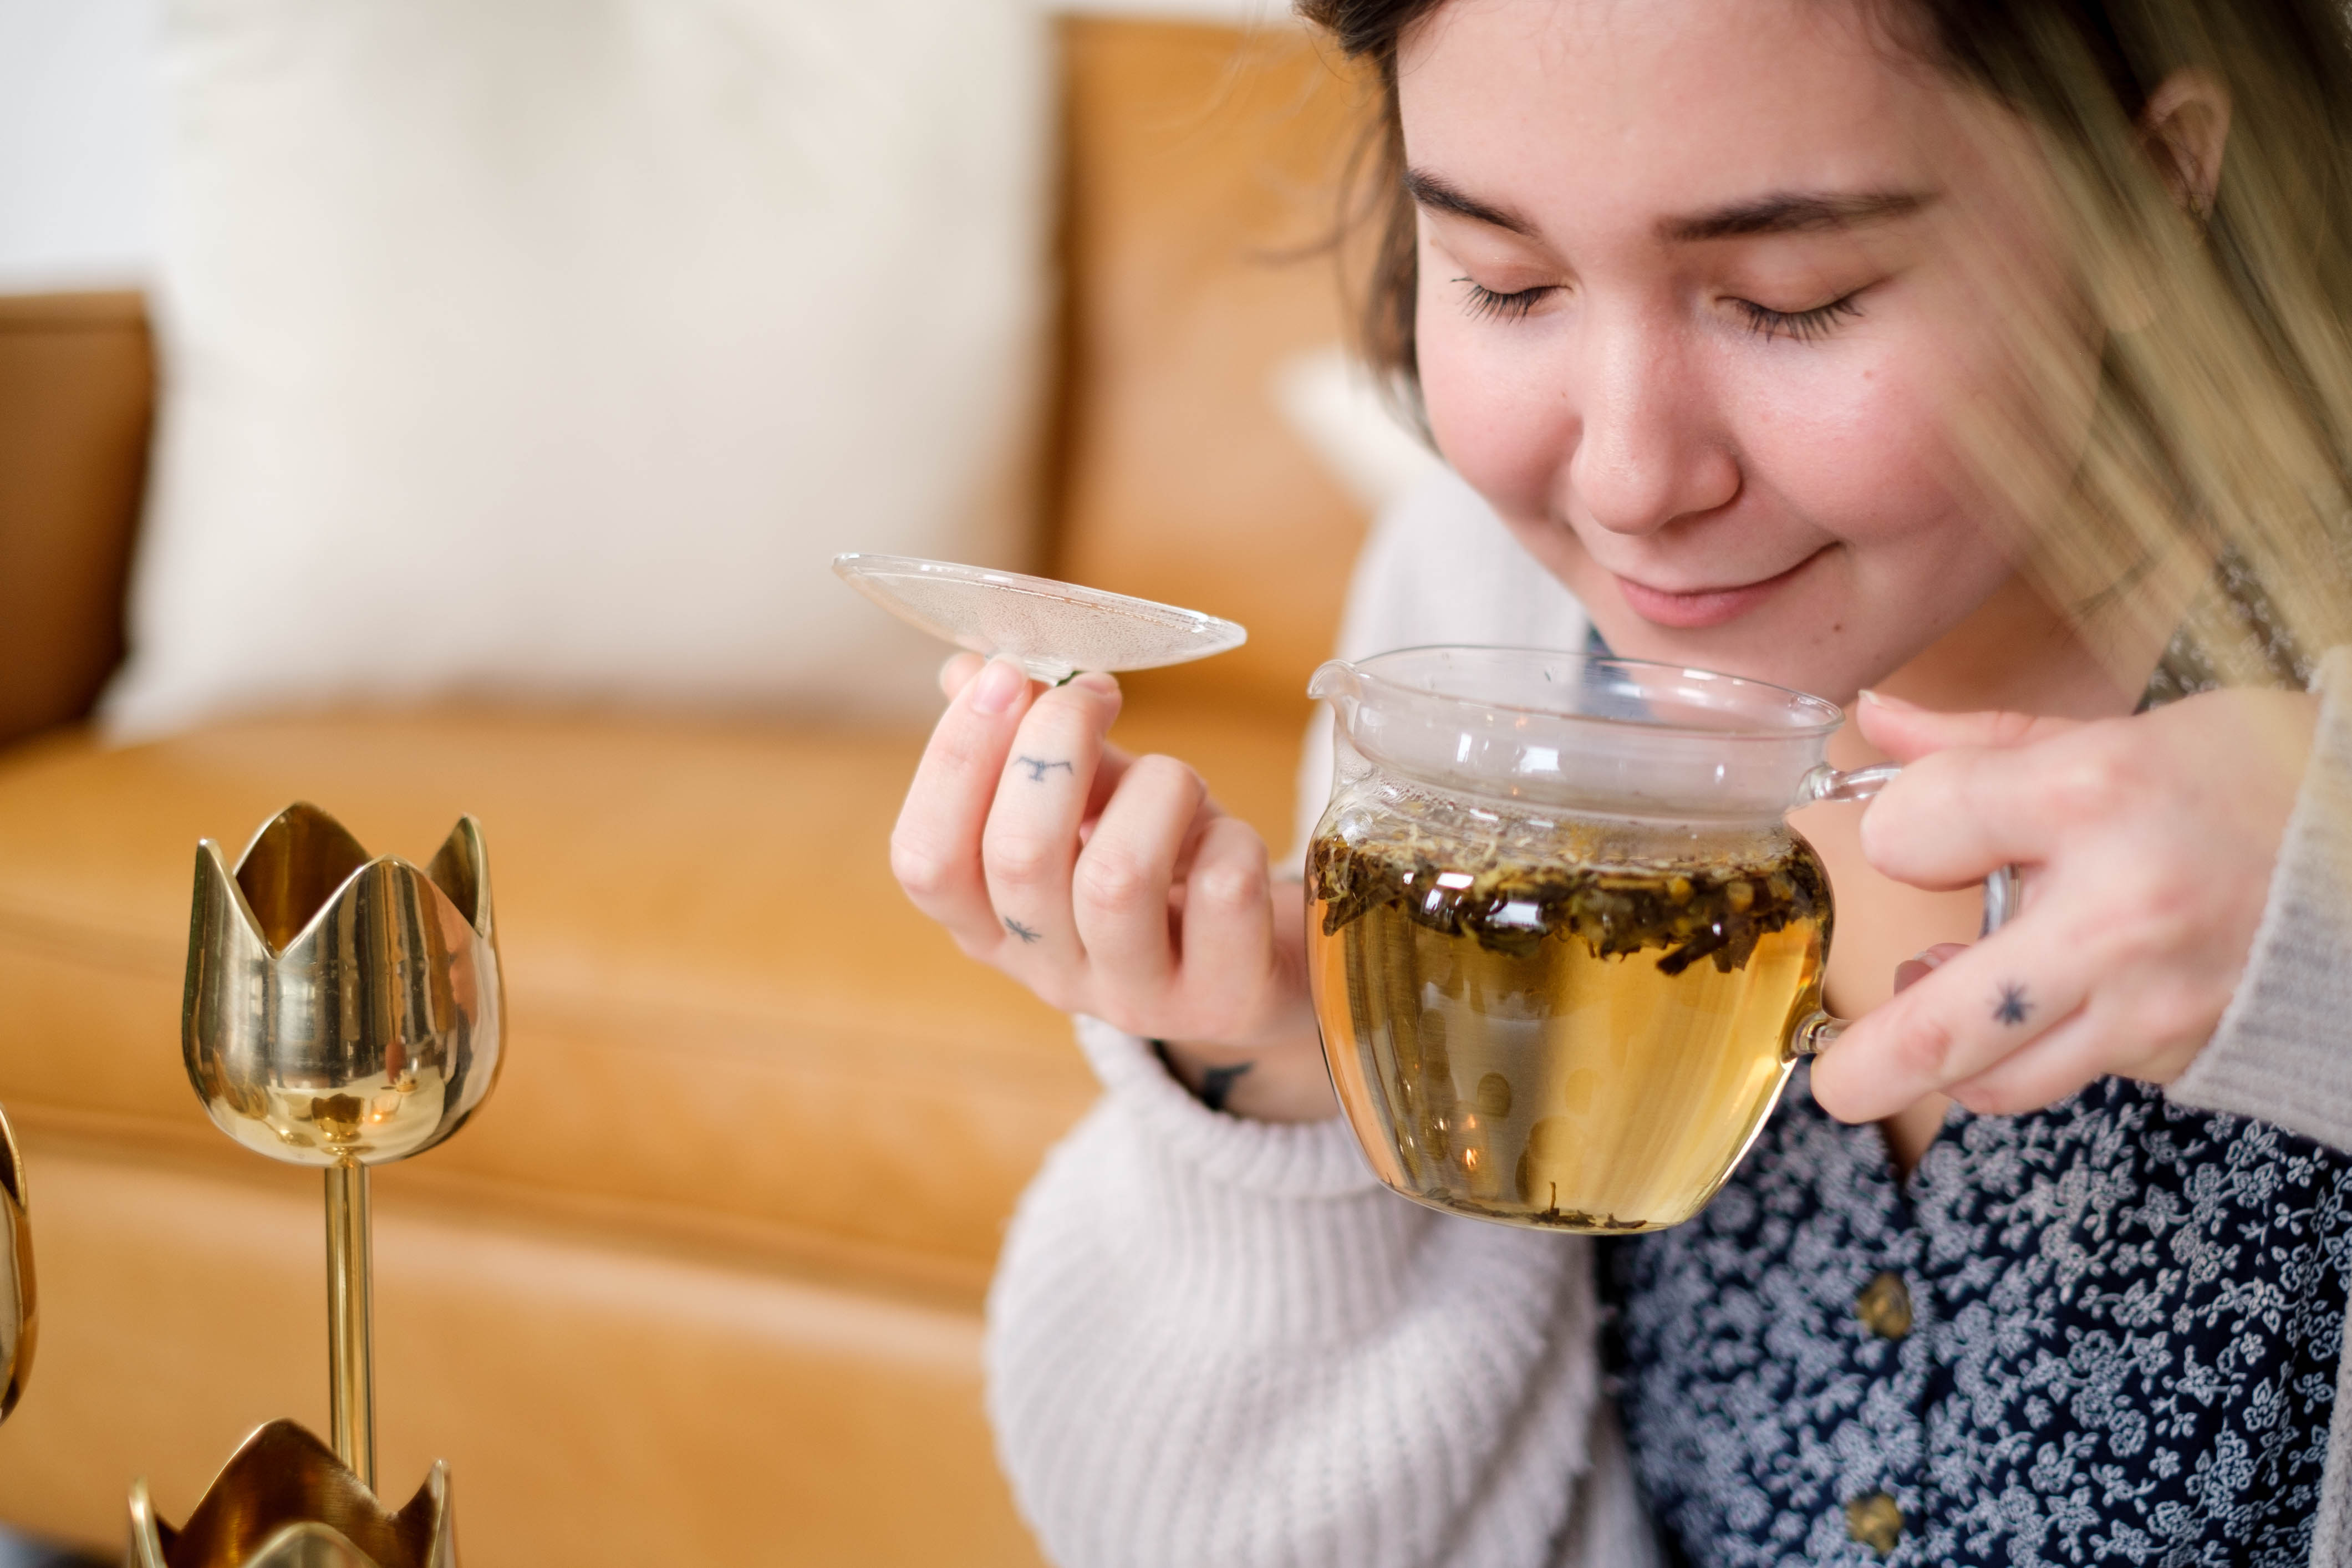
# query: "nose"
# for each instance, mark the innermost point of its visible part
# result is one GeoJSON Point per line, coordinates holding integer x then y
{"type": "Point", "coordinates": [1647, 449]}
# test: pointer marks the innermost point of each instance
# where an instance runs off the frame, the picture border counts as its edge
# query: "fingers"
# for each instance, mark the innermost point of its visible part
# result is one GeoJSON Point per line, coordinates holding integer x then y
{"type": "Point", "coordinates": [1917, 968]}
{"type": "Point", "coordinates": [1974, 795]}
{"type": "Point", "coordinates": [1029, 844]}
{"type": "Point", "coordinates": [1907, 731]}
{"type": "Point", "coordinates": [1173, 904]}
{"type": "Point", "coordinates": [1110, 886]}
{"type": "Point", "coordinates": [2149, 845]}
{"type": "Point", "coordinates": [2046, 1071]}
{"type": "Point", "coordinates": [1229, 950]}
{"type": "Point", "coordinates": [1954, 818]}
{"type": "Point", "coordinates": [935, 849]}
{"type": "Point", "coordinates": [1119, 894]}
{"type": "Point", "coordinates": [958, 669]}
{"type": "Point", "coordinates": [1972, 1012]}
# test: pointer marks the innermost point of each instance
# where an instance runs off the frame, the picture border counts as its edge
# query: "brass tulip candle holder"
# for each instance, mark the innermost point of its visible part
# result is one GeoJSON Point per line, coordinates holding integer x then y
{"type": "Point", "coordinates": [285, 1501]}
{"type": "Point", "coordinates": [20, 1319]}
{"type": "Point", "coordinates": [339, 1011]}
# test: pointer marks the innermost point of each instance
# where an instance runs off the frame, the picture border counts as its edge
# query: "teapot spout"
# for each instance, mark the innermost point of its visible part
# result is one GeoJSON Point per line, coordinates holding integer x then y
{"type": "Point", "coordinates": [1342, 685]}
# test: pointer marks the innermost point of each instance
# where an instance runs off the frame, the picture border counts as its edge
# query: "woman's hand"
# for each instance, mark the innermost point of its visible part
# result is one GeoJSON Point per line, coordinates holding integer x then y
{"type": "Point", "coordinates": [2147, 846]}
{"type": "Point", "coordinates": [1110, 886]}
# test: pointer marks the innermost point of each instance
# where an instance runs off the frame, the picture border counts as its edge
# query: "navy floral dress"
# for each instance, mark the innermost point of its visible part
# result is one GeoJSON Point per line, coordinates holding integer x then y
{"type": "Point", "coordinates": [2107, 1332]}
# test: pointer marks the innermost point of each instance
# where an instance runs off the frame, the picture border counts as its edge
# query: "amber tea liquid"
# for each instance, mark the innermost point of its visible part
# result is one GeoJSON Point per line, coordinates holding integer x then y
{"type": "Point", "coordinates": [1584, 1039]}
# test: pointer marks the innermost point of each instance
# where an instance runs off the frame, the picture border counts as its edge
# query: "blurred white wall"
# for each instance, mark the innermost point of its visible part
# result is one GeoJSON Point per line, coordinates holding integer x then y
{"type": "Point", "coordinates": [80, 124]}
{"type": "Point", "coordinates": [79, 127]}
{"type": "Point", "coordinates": [1241, 11]}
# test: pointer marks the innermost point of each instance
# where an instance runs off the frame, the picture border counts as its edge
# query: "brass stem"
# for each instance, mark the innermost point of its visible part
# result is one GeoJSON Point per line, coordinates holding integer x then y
{"type": "Point", "coordinates": [351, 1335]}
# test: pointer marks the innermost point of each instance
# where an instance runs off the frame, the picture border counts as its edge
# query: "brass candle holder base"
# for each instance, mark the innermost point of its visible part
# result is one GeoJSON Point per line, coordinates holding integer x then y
{"type": "Point", "coordinates": [284, 1500]}
{"type": "Point", "coordinates": [339, 1011]}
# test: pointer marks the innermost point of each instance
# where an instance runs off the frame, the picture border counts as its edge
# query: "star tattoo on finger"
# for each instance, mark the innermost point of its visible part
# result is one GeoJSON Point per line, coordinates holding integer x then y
{"type": "Point", "coordinates": [2012, 1008]}
{"type": "Point", "coordinates": [1022, 931]}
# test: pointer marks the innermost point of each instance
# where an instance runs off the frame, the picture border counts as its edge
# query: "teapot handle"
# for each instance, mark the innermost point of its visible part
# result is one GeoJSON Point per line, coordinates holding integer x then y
{"type": "Point", "coordinates": [2004, 892]}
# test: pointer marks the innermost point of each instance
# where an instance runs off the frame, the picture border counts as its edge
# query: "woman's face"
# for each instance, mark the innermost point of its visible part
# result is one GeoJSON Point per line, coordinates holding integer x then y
{"type": "Point", "coordinates": [1709, 290]}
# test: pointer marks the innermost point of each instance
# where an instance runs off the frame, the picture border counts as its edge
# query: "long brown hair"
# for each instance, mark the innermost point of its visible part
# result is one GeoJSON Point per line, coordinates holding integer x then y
{"type": "Point", "coordinates": [2221, 445]}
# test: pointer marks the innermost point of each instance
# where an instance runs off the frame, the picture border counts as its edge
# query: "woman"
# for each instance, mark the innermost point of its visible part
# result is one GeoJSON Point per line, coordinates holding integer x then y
{"type": "Point", "coordinates": [1985, 356]}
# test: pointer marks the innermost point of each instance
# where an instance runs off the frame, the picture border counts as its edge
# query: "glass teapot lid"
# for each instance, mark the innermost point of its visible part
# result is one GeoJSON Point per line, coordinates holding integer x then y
{"type": "Point", "coordinates": [1584, 733]}
{"type": "Point", "coordinates": [1055, 629]}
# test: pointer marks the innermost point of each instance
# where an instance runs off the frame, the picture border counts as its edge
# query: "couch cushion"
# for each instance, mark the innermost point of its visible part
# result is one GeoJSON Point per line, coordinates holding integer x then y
{"type": "Point", "coordinates": [600, 1405]}
{"type": "Point", "coordinates": [724, 1016]}
{"type": "Point", "coordinates": [1198, 201]}
{"type": "Point", "coordinates": [77, 384]}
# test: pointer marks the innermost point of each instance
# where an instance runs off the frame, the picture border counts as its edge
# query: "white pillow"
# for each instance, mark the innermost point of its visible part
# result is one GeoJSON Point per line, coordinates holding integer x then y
{"type": "Point", "coordinates": [551, 347]}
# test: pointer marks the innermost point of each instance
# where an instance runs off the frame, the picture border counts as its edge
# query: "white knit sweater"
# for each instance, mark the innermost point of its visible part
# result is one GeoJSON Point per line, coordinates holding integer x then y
{"type": "Point", "coordinates": [1214, 1342]}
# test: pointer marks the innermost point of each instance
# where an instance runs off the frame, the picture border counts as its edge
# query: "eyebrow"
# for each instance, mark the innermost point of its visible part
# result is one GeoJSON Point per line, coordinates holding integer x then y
{"type": "Point", "coordinates": [1782, 212]}
{"type": "Point", "coordinates": [1795, 212]}
{"type": "Point", "coordinates": [1441, 195]}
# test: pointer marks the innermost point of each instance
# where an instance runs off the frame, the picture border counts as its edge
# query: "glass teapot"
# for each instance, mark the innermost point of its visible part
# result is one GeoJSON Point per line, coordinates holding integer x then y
{"type": "Point", "coordinates": [1564, 948]}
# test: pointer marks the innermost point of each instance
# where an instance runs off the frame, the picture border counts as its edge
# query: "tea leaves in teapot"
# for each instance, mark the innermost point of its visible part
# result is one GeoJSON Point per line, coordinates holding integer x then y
{"type": "Point", "coordinates": [1702, 910]}
{"type": "Point", "coordinates": [1571, 1024]}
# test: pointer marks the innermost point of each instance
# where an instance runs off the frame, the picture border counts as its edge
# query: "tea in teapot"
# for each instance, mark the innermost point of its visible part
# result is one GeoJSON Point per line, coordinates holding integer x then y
{"type": "Point", "coordinates": [1563, 947]}
{"type": "Point", "coordinates": [1565, 1031]}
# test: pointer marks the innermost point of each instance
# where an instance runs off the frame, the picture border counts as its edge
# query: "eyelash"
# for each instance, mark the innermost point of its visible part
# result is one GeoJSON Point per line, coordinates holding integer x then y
{"type": "Point", "coordinates": [1799, 326]}
{"type": "Point", "coordinates": [1486, 304]}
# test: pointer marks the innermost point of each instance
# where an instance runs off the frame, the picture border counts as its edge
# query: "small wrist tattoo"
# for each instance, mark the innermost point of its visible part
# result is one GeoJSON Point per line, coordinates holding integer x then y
{"type": "Point", "coordinates": [1038, 768]}
{"type": "Point", "coordinates": [1022, 931]}
{"type": "Point", "coordinates": [1216, 1083]}
{"type": "Point", "coordinates": [2012, 1008]}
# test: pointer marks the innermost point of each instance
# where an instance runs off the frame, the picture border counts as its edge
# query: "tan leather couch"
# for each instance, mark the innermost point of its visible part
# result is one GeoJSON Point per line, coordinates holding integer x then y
{"type": "Point", "coordinates": [702, 1284]}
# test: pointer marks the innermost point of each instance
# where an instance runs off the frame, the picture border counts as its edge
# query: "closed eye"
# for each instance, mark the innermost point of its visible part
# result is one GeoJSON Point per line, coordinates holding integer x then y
{"type": "Point", "coordinates": [1801, 326]}
{"type": "Point", "coordinates": [1486, 303]}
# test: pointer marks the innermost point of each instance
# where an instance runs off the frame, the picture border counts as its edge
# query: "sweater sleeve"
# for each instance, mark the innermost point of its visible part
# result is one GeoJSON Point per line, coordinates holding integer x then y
{"type": "Point", "coordinates": [2283, 1053]}
{"type": "Point", "coordinates": [1218, 1340]}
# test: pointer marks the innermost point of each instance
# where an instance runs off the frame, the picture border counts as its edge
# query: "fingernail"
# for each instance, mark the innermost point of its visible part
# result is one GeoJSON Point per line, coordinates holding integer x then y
{"type": "Point", "coordinates": [1917, 967]}
{"type": "Point", "coordinates": [1879, 700]}
{"type": "Point", "coordinates": [1095, 681]}
{"type": "Point", "coordinates": [995, 688]}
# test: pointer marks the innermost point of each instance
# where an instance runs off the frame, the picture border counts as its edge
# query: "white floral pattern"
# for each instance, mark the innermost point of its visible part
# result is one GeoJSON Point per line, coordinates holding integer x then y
{"type": "Point", "coordinates": [2127, 1319]}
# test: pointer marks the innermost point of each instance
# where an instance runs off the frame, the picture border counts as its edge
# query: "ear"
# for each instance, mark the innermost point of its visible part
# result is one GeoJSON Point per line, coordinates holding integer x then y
{"type": "Point", "coordinates": [2185, 128]}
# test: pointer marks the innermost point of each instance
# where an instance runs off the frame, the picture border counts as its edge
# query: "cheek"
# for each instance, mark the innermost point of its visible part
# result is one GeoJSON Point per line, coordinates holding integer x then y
{"type": "Point", "coordinates": [1855, 452]}
{"type": "Point", "coordinates": [1868, 441]}
{"type": "Point", "coordinates": [1865, 455]}
{"type": "Point", "coordinates": [1503, 423]}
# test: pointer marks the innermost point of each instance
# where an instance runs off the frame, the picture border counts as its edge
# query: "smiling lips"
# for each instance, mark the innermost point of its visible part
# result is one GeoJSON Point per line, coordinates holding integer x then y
{"type": "Point", "coordinates": [1704, 607]}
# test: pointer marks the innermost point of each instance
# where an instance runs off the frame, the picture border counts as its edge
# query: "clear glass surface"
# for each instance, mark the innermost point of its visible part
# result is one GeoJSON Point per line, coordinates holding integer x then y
{"type": "Point", "coordinates": [1596, 735]}
{"type": "Point", "coordinates": [1560, 937]}
{"type": "Point", "coordinates": [1055, 629]}
{"type": "Point", "coordinates": [1563, 947]}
